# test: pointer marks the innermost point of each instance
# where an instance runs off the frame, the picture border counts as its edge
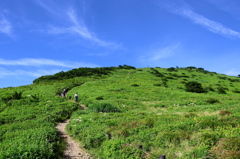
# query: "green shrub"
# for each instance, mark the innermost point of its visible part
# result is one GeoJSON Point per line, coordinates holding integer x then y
{"type": "Point", "coordinates": [100, 98]}
{"type": "Point", "coordinates": [209, 88]}
{"type": "Point", "coordinates": [94, 142]}
{"type": "Point", "coordinates": [184, 76]}
{"type": "Point", "coordinates": [6, 98]}
{"type": "Point", "coordinates": [126, 67]}
{"type": "Point", "coordinates": [221, 90]}
{"type": "Point", "coordinates": [193, 86]}
{"type": "Point", "coordinates": [15, 96]}
{"type": "Point", "coordinates": [134, 85]}
{"type": "Point", "coordinates": [164, 83]}
{"type": "Point", "coordinates": [171, 69]}
{"type": "Point", "coordinates": [212, 100]}
{"type": "Point", "coordinates": [103, 107]}
{"type": "Point", "coordinates": [191, 68]}
{"type": "Point", "coordinates": [159, 106]}
{"type": "Point", "coordinates": [157, 73]}
{"type": "Point", "coordinates": [80, 72]}
{"type": "Point", "coordinates": [170, 77]}
{"type": "Point", "coordinates": [34, 98]}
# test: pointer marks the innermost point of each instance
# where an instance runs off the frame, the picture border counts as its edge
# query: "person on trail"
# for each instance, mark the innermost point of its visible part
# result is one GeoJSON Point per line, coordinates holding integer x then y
{"type": "Point", "coordinates": [64, 93]}
{"type": "Point", "coordinates": [76, 97]}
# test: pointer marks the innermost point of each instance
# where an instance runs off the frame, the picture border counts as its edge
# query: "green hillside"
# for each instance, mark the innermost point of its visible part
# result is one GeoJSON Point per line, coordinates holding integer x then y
{"type": "Point", "coordinates": [131, 113]}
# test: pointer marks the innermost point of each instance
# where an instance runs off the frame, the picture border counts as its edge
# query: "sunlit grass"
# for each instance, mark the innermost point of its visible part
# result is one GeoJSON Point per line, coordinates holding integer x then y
{"type": "Point", "coordinates": [155, 114]}
{"type": "Point", "coordinates": [154, 111]}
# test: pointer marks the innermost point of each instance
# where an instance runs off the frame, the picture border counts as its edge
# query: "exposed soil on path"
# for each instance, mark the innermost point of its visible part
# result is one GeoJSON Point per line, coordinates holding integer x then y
{"type": "Point", "coordinates": [73, 150]}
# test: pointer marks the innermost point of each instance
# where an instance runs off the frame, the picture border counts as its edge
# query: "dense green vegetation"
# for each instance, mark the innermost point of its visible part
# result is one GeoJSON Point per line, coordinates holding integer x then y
{"type": "Point", "coordinates": [28, 115]}
{"type": "Point", "coordinates": [80, 72]}
{"type": "Point", "coordinates": [132, 113]}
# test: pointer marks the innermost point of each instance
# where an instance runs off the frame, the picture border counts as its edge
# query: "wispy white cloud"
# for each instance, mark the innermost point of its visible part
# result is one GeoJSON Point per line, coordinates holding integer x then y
{"type": "Point", "coordinates": [70, 23]}
{"type": "Point", "coordinates": [232, 72]}
{"type": "Point", "coordinates": [210, 25]}
{"type": "Point", "coordinates": [30, 67]}
{"type": "Point", "coordinates": [157, 54]}
{"type": "Point", "coordinates": [231, 7]}
{"type": "Point", "coordinates": [50, 6]}
{"type": "Point", "coordinates": [36, 73]}
{"type": "Point", "coordinates": [45, 62]}
{"type": "Point", "coordinates": [183, 9]}
{"type": "Point", "coordinates": [77, 27]}
{"type": "Point", "coordinates": [5, 26]}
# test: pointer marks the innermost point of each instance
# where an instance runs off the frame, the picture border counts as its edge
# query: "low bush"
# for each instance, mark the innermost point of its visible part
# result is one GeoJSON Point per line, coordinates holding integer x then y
{"type": "Point", "coordinates": [209, 88]}
{"type": "Point", "coordinates": [134, 85]}
{"type": "Point", "coordinates": [100, 98]}
{"type": "Point", "coordinates": [236, 91]}
{"type": "Point", "coordinates": [164, 83]}
{"type": "Point", "coordinates": [212, 100]}
{"type": "Point", "coordinates": [193, 86]}
{"type": "Point", "coordinates": [172, 69]}
{"type": "Point", "coordinates": [157, 73]}
{"type": "Point", "coordinates": [103, 107]}
{"type": "Point", "coordinates": [15, 96]}
{"type": "Point", "coordinates": [221, 90]}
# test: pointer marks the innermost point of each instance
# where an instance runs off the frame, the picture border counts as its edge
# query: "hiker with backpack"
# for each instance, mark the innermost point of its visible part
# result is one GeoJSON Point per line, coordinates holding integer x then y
{"type": "Point", "coordinates": [76, 97]}
{"type": "Point", "coordinates": [64, 93]}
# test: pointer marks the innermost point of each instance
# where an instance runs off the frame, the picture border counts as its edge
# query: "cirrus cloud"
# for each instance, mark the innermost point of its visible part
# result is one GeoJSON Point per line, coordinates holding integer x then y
{"type": "Point", "coordinates": [180, 7]}
{"type": "Point", "coordinates": [17, 73]}
{"type": "Point", "coordinates": [78, 28]}
{"type": "Point", "coordinates": [156, 54]}
{"type": "Point", "coordinates": [45, 62]}
{"type": "Point", "coordinates": [5, 26]}
{"type": "Point", "coordinates": [71, 24]}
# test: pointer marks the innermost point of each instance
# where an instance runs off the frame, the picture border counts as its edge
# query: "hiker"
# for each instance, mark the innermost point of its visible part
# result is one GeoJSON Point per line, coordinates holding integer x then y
{"type": "Point", "coordinates": [64, 93]}
{"type": "Point", "coordinates": [76, 97]}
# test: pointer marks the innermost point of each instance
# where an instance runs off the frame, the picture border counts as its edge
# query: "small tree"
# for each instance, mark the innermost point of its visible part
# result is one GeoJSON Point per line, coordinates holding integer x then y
{"type": "Point", "coordinates": [193, 86]}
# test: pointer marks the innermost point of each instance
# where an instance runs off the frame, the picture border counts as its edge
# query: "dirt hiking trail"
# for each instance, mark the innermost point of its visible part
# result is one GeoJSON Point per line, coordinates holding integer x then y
{"type": "Point", "coordinates": [73, 150]}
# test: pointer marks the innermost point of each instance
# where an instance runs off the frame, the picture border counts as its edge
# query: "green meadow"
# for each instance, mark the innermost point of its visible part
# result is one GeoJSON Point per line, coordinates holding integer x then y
{"type": "Point", "coordinates": [138, 113]}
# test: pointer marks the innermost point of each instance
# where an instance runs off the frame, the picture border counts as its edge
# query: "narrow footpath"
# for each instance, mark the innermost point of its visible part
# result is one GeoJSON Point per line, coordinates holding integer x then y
{"type": "Point", "coordinates": [73, 150]}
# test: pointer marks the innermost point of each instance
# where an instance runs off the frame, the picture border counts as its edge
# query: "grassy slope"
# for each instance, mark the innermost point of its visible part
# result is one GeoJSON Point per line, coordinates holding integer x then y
{"type": "Point", "coordinates": [27, 124]}
{"type": "Point", "coordinates": [157, 113]}
{"type": "Point", "coordinates": [164, 120]}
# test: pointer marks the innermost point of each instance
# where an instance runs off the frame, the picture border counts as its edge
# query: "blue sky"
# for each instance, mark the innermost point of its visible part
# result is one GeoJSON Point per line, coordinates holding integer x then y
{"type": "Point", "coordinates": [43, 37]}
